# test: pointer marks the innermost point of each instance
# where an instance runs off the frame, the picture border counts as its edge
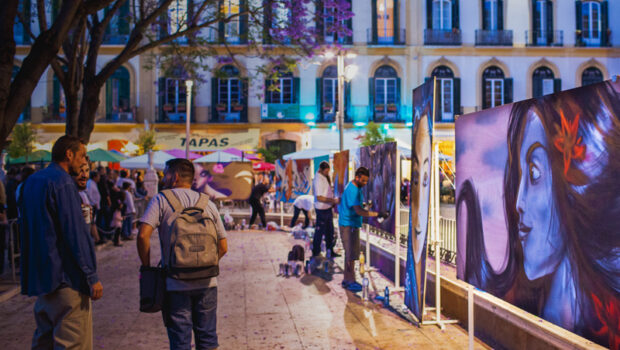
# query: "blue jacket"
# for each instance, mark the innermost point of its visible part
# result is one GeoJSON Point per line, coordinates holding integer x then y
{"type": "Point", "coordinates": [57, 248]}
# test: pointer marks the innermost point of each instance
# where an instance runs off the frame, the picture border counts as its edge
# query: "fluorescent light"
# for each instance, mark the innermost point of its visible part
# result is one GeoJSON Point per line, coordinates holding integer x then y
{"type": "Point", "coordinates": [360, 124]}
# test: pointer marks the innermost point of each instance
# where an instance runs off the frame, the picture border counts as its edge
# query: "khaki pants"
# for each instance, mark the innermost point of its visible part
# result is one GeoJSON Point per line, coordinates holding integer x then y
{"type": "Point", "coordinates": [64, 321]}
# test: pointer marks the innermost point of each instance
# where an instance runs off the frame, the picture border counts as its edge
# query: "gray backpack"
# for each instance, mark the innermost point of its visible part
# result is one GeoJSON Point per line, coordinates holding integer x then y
{"type": "Point", "coordinates": [193, 240]}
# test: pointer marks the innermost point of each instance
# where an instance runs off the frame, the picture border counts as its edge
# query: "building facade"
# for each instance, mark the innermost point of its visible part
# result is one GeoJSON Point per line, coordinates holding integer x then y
{"type": "Point", "coordinates": [484, 53]}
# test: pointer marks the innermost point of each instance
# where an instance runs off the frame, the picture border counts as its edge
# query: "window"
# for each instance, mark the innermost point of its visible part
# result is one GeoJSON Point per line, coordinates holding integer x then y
{"type": "Point", "coordinates": [591, 22]}
{"type": "Point", "coordinates": [117, 32]}
{"type": "Point", "coordinates": [280, 90]}
{"type": "Point", "coordinates": [386, 93]}
{"type": "Point", "coordinates": [329, 25]}
{"type": "Point", "coordinates": [493, 87]}
{"type": "Point", "coordinates": [25, 115]}
{"type": "Point", "coordinates": [231, 28]}
{"type": "Point", "coordinates": [543, 82]}
{"type": "Point", "coordinates": [591, 75]}
{"type": "Point", "coordinates": [442, 14]}
{"type": "Point", "coordinates": [328, 90]}
{"type": "Point", "coordinates": [177, 16]}
{"type": "Point", "coordinates": [117, 96]}
{"type": "Point", "coordinates": [175, 99]}
{"type": "Point", "coordinates": [540, 22]}
{"type": "Point", "coordinates": [385, 21]}
{"type": "Point", "coordinates": [59, 112]}
{"type": "Point", "coordinates": [19, 30]}
{"type": "Point", "coordinates": [228, 92]}
{"type": "Point", "coordinates": [490, 15]}
{"type": "Point", "coordinates": [446, 87]}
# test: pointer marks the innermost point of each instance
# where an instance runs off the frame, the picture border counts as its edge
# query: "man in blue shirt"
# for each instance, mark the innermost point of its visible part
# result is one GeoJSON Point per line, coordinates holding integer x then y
{"type": "Point", "coordinates": [350, 213]}
{"type": "Point", "coordinates": [58, 256]}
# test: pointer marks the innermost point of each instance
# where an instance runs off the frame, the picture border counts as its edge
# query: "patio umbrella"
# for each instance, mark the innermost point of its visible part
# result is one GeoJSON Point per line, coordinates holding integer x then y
{"type": "Point", "coordinates": [263, 166]}
{"type": "Point", "coordinates": [34, 157]}
{"type": "Point", "coordinates": [101, 155]}
{"type": "Point", "coordinates": [309, 153]}
{"type": "Point", "coordinates": [220, 157]}
{"type": "Point", "coordinates": [241, 153]}
{"type": "Point", "coordinates": [142, 162]}
{"type": "Point", "coordinates": [180, 153]}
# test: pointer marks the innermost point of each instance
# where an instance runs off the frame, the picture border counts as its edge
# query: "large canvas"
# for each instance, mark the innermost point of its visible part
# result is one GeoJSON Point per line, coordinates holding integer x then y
{"type": "Point", "coordinates": [538, 207]}
{"type": "Point", "coordinates": [224, 180]}
{"type": "Point", "coordinates": [420, 189]}
{"type": "Point", "coordinates": [293, 179]}
{"type": "Point", "coordinates": [340, 172]}
{"type": "Point", "coordinates": [381, 187]}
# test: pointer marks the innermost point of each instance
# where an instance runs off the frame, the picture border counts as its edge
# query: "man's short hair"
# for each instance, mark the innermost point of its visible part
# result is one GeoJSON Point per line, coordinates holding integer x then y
{"type": "Point", "coordinates": [126, 185]}
{"type": "Point", "coordinates": [123, 173]}
{"type": "Point", "coordinates": [64, 143]}
{"type": "Point", "coordinates": [93, 174]}
{"type": "Point", "coordinates": [362, 171]}
{"type": "Point", "coordinates": [324, 165]}
{"type": "Point", "coordinates": [182, 167]}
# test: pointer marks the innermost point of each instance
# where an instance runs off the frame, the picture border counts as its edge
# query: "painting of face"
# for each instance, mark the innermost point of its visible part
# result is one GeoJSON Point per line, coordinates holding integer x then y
{"type": "Point", "coordinates": [224, 180]}
{"type": "Point", "coordinates": [543, 246]}
{"type": "Point", "coordinates": [341, 172]}
{"type": "Point", "coordinates": [292, 179]}
{"type": "Point", "coordinates": [420, 186]}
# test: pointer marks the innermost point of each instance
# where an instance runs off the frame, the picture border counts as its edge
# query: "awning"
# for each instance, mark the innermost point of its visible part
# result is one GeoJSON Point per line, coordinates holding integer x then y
{"type": "Point", "coordinates": [142, 162]}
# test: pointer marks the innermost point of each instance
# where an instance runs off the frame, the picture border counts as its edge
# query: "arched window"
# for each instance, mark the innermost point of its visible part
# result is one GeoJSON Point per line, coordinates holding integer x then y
{"type": "Point", "coordinates": [543, 82]}
{"type": "Point", "coordinates": [329, 94]}
{"type": "Point", "coordinates": [496, 89]}
{"type": "Point", "coordinates": [442, 14]}
{"type": "Point", "coordinates": [385, 93]}
{"type": "Point", "coordinates": [118, 105]}
{"type": "Point", "coordinates": [228, 93]}
{"type": "Point", "coordinates": [448, 98]}
{"type": "Point", "coordinates": [591, 75]}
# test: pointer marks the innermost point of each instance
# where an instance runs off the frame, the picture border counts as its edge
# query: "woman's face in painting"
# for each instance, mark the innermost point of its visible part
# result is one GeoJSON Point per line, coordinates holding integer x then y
{"type": "Point", "coordinates": [420, 186]}
{"type": "Point", "coordinates": [541, 240]}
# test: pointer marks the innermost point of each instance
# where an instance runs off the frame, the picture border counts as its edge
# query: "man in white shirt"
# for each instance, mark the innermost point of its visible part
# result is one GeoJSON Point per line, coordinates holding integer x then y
{"type": "Point", "coordinates": [123, 178]}
{"type": "Point", "coordinates": [324, 200]}
{"type": "Point", "coordinates": [302, 203]}
{"type": "Point", "coordinates": [129, 213]}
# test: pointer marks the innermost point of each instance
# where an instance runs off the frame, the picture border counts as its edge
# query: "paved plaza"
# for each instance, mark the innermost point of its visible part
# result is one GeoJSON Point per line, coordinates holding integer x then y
{"type": "Point", "coordinates": [256, 309]}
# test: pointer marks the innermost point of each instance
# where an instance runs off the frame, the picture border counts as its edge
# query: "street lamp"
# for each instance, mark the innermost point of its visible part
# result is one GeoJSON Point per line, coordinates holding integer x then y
{"type": "Point", "coordinates": [344, 74]}
{"type": "Point", "coordinates": [188, 89]}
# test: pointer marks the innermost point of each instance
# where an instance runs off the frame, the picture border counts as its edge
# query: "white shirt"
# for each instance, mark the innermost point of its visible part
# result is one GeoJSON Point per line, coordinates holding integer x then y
{"type": "Point", "coordinates": [129, 206]}
{"type": "Point", "coordinates": [84, 197]}
{"type": "Point", "coordinates": [322, 188]}
{"type": "Point", "coordinates": [304, 202]}
{"type": "Point", "coordinates": [121, 180]}
{"type": "Point", "coordinates": [93, 193]}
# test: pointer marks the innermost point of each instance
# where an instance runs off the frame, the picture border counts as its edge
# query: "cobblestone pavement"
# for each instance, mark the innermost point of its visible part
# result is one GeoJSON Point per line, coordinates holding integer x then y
{"type": "Point", "coordinates": [256, 309]}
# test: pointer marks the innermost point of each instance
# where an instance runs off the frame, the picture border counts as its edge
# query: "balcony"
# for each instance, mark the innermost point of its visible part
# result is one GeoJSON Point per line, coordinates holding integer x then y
{"type": "Point", "coordinates": [493, 37]}
{"type": "Point", "coordinates": [115, 39]}
{"type": "Point", "coordinates": [280, 112]}
{"type": "Point", "coordinates": [224, 113]}
{"type": "Point", "coordinates": [387, 113]}
{"type": "Point", "coordinates": [544, 38]}
{"type": "Point", "coordinates": [120, 117]}
{"type": "Point", "coordinates": [442, 37]}
{"type": "Point", "coordinates": [388, 39]}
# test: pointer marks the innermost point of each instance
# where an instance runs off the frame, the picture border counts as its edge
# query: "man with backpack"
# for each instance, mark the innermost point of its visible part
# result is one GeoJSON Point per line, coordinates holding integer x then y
{"type": "Point", "coordinates": [193, 239]}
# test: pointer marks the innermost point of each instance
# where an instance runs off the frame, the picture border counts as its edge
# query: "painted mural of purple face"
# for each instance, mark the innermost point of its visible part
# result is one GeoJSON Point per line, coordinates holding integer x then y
{"type": "Point", "coordinates": [539, 231]}
{"type": "Point", "coordinates": [420, 186]}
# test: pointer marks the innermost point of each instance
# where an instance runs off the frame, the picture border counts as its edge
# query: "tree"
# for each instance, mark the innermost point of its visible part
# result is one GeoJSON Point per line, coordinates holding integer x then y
{"type": "Point", "coordinates": [373, 135]}
{"type": "Point", "coordinates": [15, 92]}
{"type": "Point", "coordinates": [146, 140]}
{"type": "Point", "coordinates": [270, 154]}
{"type": "Point", "coordinates": [22, 143]}
{"type": "Point", "coordinates": [181, 39]}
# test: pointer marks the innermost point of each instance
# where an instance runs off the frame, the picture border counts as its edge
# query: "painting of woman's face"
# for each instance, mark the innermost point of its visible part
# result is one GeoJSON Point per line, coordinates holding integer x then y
{"type": "Point", "coordinates": [539, 232]}
{"type": "Point", "coordinates": [420, 186]}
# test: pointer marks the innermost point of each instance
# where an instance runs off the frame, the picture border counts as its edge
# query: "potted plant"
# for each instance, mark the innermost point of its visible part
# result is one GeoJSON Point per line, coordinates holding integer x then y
{"type": "Point", "coordinates": [181, 107]}
{"type": "Point", "coordinates": [237, 107]}
{"type": "Point", "coordinates": [168, 107]}
{"type": "Point", "coordinates": [379, 108]}
{"type": "Point", "coordinates": [220, 107]}
{"type": "Point", "coordinates": [391, 107]}
{"type": "Point", "coordinates": [327, 107]}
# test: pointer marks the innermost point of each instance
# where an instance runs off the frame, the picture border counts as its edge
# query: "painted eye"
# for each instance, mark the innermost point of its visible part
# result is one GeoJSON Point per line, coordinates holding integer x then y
{"type": "Point", "coordinates": [416, 177]}
{"type": "Point", "coordinates": [534, 172]}
{"type": "Point", "coordinates": [425, 183]}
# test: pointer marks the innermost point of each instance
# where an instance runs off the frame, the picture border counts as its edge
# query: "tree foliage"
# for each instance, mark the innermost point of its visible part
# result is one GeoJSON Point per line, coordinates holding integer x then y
{"type": "Point", "coordinates": [22, 143]}
{"type": "Point", "coordinates": [270, 154]}
{"type": "Point", "coordinates": [147, 139]}
{"type": "Point", "coordinates": [374, 136]}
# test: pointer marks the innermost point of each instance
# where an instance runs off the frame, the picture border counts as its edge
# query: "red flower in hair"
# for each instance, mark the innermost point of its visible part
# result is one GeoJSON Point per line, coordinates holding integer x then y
{"type": "Point", "coordinates": [567, 142]}
{"type": "Point", "coordinates": [609, 316]}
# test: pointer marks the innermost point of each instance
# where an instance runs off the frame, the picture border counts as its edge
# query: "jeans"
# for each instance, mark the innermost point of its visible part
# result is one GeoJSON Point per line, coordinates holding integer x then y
{"type": "Point", "coordinates": [257, 208]}
{"type": "Point", "coordinates": [127, 224]}
{"type": "Point", "coordinates": [296, 215]}
{"type": "Point", "coordinates": [324, 227]}
{"type": "Point", "coordinates": [195, 310]}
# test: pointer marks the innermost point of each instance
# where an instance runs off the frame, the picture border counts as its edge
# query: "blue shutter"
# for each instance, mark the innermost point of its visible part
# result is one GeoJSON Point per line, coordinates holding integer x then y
{"type": "Point", "coordinates": [557, 85]}
{"type": "Point", "coordinates": [347, 101]}
{"type": "Point", "coordinates": [549, 28]}
{"type": "Point", "coordinates": [221, 24]}
{"type": "Point", "coordinates": [296, 91]}
{"type": "Point", "coordinates": [507, 90]}
{"type": "Point", "coordinates": [371, 98]}
{"type": "Point", "coordinates": [485, 15]}
{"type": "Point", "coordinates": [484, 94]}
{"type": "Point", "coordinates": [395, 23]}
{"type": "Point", "coordinates": [245, 86]}
{"type": "Point", "coordinates": [438, 105]}
{"type": "Point", "coordinates": [243, 23]}
{"type": "Point", "coordinates": [320, 29]}
{"type": "Point", "coordinates": [375, 30]}
{"type": "Point", "coordinates": [535, 28]}
{"type": "Point", "coordinates": [578, 24]}
{"type": "Point", "coordinates": [398, 99]}
{"type": "Point", "coordinates": [455, 14]}
{"type": "Point", "coordinates": [429, 14]}
{"type": "Point", "coordinates": [319, 99]}
{"type": "Point", "coordinates": [267, 91]}
{"type": "Point", "coordinates": [536, 87]}
{"type": "Point", "coordinates": [161, 94]}
{"type": "Point", "coordinates": [456, 96]}
{"type": "Point", "coordinates": [500, 14]}
{"type": "Point", "coordinates": [267, 13]}
{"type": "Point", "coordinates": [214, 99]}
{"type": "Point", "coordinates": [605, 23]}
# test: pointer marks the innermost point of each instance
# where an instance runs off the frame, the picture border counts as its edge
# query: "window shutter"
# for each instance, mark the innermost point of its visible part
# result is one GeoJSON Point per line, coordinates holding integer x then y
{"type": "Point", "coordinates": [426, 79]}
{"type": "Point", "coordinates": [267, 11]}
{"type": "Point", "coordinates": [349, 38]}
{"type": "Point", "coordinates": [485, 15]}
{"type": "Point", "coordinates": [267, 90]}
{"type": "Point", "coordinates": [220, 25]}
{"type": "Point", "coordinates": [549, 28]}
{"type": "Point", "coordinates": [296, 91]}
{"type": "Point", "coordinates": [500, 14]}
{"type": "Point", "coordinates": [347, 101]}
{"type": "Point", "coordinates": [398, 99]}
{"type": "Point", "coordinates": [455, 14]}
{"type": "Point", "coordinates": [319, 98]}
{"type": "Point", "coordinates": [557, 85]}
{"type": "Point", "coordinates": [429, 14]}
{"type": "Point", "coordinates": [243, 23]}
{"type": "Point", "coordinates": [124, 93]}
{"type": "Point", "coordinates": [437, 107]}
{"type": "Point", "coordinates": [534, 27]}
{"type": "Point", "coordinates": [456, 96]}
{"type": "Point", "coordinates": [578, 24]}
{"type": "Point", "coordinates": [371, 97]}
{"type": "Point", "coordinates": [123, 23]}
{"type": "Point", "coordinates": [507, 90]}
{"type": "Point", "coordinates": [604, 23]}
{"type": "Point", "coordinates": [108, 98]}
{"type": "Point", "coordinates": [214, 99]}
{"type": "Point", "coordinates": [375, 34]}
{"type": "Point", "coordinates": [536, 87]}
{"type": "Point", "coordinates": [395, 23]}
{"type": "Point", "coordinates": [484, 94]}
{"type": "Point", "coordinates": [245, 86]}
{"type": "Point", "coordinates": [320, 21]}
{"type": "Point", "coordinates": [161, 92]}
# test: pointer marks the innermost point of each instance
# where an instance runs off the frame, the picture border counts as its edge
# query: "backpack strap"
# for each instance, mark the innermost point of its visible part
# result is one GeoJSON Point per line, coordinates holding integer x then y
{"type": "Point", "coordinates": [203, 203]}
{"type": "Point", "coordinates": [173, 200]}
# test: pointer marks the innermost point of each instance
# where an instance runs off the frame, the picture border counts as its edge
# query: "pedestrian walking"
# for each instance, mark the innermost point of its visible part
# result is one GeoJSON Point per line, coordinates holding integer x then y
{"type": "Point", "coordinates": [58, 263]}
{"type": "Point", "coordinates": [190, 304]}
{"type": "Point", "coordinates": [324, 201]}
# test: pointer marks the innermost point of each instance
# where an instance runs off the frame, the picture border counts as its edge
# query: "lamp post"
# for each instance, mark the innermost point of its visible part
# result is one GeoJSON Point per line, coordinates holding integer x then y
{"type": "Point", "coordinates": [188, 89]}
{"type": "Point", "coordinates": [345, 73]}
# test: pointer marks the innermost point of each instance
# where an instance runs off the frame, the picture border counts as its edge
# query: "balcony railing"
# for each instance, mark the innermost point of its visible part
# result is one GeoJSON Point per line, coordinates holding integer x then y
{"type": "Point", "coordinates": [493, 37]}
{"type": "Point", "coordinates": [442, 37]}
{"type": "Point", "coordinates": [544, 38]}
{"type": "Point", "coordinates": [388, 39]}
{"type": "Point", "coordinates": [120, 117]}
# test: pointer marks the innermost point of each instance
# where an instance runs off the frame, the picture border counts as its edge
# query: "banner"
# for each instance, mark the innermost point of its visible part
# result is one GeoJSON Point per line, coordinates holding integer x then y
{"type": "Point", "coordinates": [341, 172]}
{"type": "Point", "coordinates": [381, 188]}
{"type": "Point", "coordinates": [224, 180]}
{"type": "Point", "coordinates": [201, 141]}
{"type": "Point", "coordinates": [538, 207]}
{"type": "Point", "coordinates": [293, 179]}
{"type": "Point", "coordinates": [419, 195]}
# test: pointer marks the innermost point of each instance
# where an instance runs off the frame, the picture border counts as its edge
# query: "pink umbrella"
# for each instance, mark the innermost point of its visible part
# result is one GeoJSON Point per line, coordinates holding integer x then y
{"type": "Point", "coordinates": [180, 153]}
{"type": "Point", "coordinates": [237, 152]}
{"type": "Point", "coordinates": [263, 166]}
